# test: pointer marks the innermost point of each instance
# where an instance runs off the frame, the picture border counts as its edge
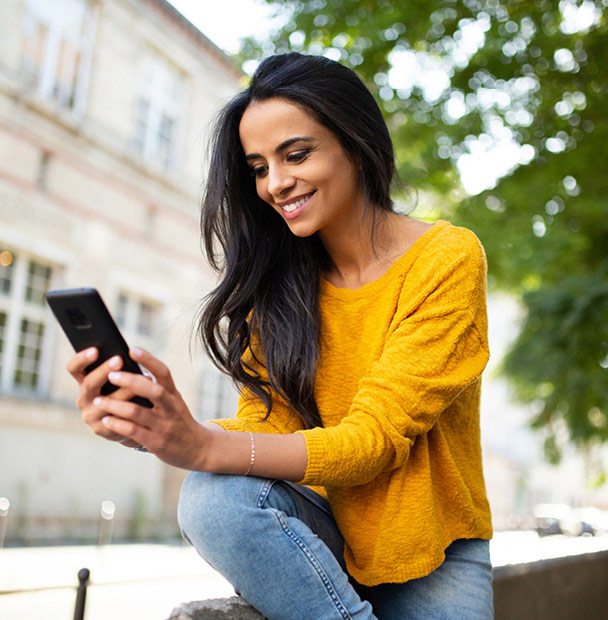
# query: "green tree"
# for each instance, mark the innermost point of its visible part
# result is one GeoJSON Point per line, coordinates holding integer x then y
{"type": "Point", "coordinates": [457, 77]}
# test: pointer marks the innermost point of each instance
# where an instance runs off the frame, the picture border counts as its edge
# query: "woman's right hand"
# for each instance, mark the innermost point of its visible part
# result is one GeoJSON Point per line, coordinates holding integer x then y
{"type": "Point", "coordinates": [89, 387]}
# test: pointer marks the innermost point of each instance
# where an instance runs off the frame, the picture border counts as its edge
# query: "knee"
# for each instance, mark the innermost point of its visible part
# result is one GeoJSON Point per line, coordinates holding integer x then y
{"type": "Point", "coordinates": [213, 506]}
{"type": "Point", "coordinates": [196, 503]}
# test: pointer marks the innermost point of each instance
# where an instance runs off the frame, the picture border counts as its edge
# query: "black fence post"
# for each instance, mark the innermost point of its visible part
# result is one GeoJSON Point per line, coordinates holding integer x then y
{"type": "Point", "coordinates": [81, 594]}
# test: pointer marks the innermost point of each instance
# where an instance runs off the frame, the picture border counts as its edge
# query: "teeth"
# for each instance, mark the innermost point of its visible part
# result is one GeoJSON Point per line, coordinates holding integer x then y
{"type": "Point", "coordinates": [294, 205]}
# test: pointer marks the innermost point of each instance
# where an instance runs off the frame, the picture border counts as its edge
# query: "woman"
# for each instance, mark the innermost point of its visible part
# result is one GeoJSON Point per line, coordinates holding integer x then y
{"type": "Point", "coordinates": [350, 483]}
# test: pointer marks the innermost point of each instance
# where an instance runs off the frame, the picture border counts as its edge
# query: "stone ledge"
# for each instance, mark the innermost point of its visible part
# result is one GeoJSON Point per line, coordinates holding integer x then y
{"type": "Point", "coordinates": [561, 589]}
{"type": "Point", "coordinates": [231, 608]}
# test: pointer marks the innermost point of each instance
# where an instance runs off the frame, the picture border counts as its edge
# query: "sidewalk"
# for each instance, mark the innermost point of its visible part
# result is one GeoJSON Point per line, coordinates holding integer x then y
{"type": "Point", "coordinates": [128, 582]}
{"type": "Point", "coordinates": [145, 582]}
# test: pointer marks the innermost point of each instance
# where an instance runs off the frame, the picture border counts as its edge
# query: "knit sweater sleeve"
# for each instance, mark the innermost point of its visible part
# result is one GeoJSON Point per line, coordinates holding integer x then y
{"type": "Point", "coordinates": [251, 411]}
{"type": "Point", "coordinates": [250, 416]}
{"type": "Point", "coordinates": [437, 347]}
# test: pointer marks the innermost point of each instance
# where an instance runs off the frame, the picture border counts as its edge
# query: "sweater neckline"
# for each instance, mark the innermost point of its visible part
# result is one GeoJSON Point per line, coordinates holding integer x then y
{"type": "Point", "coordinates": [327, 288]}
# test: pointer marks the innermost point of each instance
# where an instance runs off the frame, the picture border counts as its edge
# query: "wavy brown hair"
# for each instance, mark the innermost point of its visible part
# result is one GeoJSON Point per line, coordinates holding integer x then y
{"type": "Point", "coordinates": [269, 279]}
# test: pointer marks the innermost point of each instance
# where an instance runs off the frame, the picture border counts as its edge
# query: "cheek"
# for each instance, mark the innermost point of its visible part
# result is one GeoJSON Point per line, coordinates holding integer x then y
{"type": "Point", "coordinates": [350, 184]}
{"type": "Point", "coordinates": [260, 188]}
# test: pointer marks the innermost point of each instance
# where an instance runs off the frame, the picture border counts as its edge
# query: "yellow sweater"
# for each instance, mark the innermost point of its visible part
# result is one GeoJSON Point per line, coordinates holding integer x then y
{"type": "Point", "coordinates": [398, 387]}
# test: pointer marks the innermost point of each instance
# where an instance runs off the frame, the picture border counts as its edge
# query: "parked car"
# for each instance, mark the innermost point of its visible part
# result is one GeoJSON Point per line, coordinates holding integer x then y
{"type": "Point", "coordinates": [563, 519]}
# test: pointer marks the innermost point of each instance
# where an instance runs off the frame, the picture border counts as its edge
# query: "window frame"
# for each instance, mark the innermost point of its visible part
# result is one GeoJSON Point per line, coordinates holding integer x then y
{"type": "Point", "coordinates": [128, 318]}
{"type": "Point", "coordinates": [160, 99]}
{"type": "Point", "coordinates": [47, 84]}
{"type": "Point", "coordinates": [17, 308]}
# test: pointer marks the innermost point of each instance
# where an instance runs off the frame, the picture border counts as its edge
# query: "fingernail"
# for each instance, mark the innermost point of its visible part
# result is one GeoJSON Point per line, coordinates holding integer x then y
{"type": "Point", "coordinates": [114, 376]}
{"type": "Point", "coordinates": [90, 354]}
{"type": "Point", "coordinates": [115, 362]}
{"type": "Point", "coordinates": [97, 401]}
{"type": "Point", "coordinates": [136, 352]}
{"type": "Point", "coordinates": [105, 420]}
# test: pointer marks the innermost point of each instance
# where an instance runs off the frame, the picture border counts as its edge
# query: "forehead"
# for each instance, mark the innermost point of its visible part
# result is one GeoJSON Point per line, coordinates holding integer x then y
{"type": "Point", "coordinates": [266, 124]}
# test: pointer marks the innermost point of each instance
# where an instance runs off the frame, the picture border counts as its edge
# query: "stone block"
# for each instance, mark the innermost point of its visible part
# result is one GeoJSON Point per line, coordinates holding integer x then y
{"type": "Point", "coordinates": [564, 588]}
{"type": "Point", "coordinates": [233, 608]}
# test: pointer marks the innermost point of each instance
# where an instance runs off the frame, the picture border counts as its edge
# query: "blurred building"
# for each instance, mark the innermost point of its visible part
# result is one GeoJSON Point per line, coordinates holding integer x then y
{"type": "Point", "coordinates": [104, 106]}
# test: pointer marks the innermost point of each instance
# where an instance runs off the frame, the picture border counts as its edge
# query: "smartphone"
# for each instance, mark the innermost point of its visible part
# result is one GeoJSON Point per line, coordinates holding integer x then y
{"type": "Point", "coordinates": [87, 322]}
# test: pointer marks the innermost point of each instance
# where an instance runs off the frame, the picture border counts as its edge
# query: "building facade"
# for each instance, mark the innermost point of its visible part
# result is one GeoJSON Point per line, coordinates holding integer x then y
{"type": "Point", "coordinates": [104, 112]}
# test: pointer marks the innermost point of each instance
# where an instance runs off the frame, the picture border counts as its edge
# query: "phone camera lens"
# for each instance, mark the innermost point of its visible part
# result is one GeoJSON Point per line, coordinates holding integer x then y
{"type": "Point", "coordinates": [78, 318]}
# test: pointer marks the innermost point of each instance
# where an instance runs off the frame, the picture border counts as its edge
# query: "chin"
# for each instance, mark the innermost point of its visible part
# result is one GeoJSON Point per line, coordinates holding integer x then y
{"type": "Point", "coordinates": [301, 230]}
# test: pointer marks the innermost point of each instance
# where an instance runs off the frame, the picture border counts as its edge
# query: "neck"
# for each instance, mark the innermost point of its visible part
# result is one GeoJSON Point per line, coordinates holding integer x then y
{"type": "Point", "coordinates": [350, 248]}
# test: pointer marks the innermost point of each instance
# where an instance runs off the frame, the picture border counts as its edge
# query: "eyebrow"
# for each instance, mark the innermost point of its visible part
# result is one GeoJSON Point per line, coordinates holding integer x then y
{"type": "Point", "coordinates": [285, 144]}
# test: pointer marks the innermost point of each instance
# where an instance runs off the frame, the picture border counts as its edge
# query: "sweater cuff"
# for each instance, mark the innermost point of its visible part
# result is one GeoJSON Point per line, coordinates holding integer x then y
{"type": "Point", "coordinates": [315, 448]}
{"type": "Point", "coordinates": [229, 424]}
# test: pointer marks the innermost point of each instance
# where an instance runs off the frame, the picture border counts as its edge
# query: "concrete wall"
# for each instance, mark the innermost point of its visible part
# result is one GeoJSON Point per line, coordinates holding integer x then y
{"type": "Point", "coordinates": [570, 588]}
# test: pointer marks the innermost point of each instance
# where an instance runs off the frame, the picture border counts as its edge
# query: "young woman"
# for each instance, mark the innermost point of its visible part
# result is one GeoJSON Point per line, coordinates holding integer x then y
{"type": "Point", "coordinates": [350, 483]}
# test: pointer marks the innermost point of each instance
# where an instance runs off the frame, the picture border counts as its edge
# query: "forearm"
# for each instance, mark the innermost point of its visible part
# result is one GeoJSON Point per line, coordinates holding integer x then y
{"type": "Point", "coordinates": [279, 456]}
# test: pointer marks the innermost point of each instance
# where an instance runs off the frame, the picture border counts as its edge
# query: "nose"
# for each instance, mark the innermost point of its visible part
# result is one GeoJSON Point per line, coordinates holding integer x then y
{"type": "Point", "coordinates": [280, 181]}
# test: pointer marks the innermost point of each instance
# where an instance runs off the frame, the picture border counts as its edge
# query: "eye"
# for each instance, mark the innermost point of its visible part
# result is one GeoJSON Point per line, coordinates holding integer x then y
{"type": "Point", "coordinates": [259, 171]}
{"type": "Point", "coordinates": [298, 156]}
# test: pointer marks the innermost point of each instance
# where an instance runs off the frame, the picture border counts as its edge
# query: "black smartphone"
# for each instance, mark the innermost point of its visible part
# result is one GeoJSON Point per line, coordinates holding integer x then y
{"type": "Point", "coordinates": [87, 322]}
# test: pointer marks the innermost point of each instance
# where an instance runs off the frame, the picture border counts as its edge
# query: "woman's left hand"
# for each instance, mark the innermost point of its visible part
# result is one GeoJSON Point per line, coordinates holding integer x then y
{"type": "Point", "coordinates": [168, 429]}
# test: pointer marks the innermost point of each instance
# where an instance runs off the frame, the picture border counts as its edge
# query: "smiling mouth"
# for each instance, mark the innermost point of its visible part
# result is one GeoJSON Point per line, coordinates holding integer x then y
{"type": "Point", "coordinates": [292, 206]}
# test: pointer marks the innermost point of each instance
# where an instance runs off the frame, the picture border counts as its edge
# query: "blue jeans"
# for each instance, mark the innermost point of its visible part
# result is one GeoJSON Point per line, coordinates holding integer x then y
{"type": "Point", "coordinates": [278, 545]}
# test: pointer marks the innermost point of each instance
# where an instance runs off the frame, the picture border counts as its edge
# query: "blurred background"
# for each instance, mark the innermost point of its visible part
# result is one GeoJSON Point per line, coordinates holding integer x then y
{"type": "Point", "coordinates": [498, 114]}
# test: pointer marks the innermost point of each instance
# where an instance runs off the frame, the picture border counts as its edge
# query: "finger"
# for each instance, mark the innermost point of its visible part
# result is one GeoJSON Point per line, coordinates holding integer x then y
{"type": "Point", "coordinates": [139, 385]}
{"type": "Point", "coordinates": [156, 367]}
{"type": "Point", "coordinates": [125, 410]}
{"type": "Point", "coordinates": [93, 418]}
{"type": "Point", "coordinates": [77, 364]}
{"type": "Point", "coordinates": [92, 383]}
{"type": "Point", "coordinates": [129, 443]}
{"type": "Point", "coordinates": [92, 415]}
{"type": "Point", "coordinates": [84, 403]}
{"type": "Point", "coordinates": [127, 429]}
{"type": "Point", "coordinates": [122, 394]}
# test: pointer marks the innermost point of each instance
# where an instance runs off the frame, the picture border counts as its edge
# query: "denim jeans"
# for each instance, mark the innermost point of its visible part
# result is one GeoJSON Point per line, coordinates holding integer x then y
{"type": "Point", "coordinates": [278, 545]}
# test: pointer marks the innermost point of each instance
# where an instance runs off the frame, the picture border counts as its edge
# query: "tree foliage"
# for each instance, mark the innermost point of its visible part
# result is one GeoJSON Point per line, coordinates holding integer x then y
{"type": "Point", "coordinates": [454, 78]}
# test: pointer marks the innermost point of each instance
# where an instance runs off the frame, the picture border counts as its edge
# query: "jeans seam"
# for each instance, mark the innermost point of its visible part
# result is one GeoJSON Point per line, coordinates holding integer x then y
{"type": "Point", "coordinates": [315, 563]}
{"type": "Point", "coordinates": [265, 490]}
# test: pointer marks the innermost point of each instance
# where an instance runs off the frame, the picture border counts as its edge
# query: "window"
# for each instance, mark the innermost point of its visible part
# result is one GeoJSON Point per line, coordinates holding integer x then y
{"type": "Point", "coordinates": [2, 336]}
{"type": "Point", "coordinates": [218, 397]}
{"type": "Point", "coordinates": [38, 277]}
{"type": "Point", "coordinates": [24, 336]}
{"type": "Point", "coordinates": [158, 112]}
{"type": "Point", "coordinates": [29, 351]}
{"type": "Point", "coordinates": [56, 42]}
{"type": "Point", "coordinates": [138, 319]}
{"type": "Point", "coordinates": [6, 271]}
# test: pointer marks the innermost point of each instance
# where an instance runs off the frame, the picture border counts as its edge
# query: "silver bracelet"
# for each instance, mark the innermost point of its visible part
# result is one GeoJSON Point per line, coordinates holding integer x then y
{"type": "Point", "coordinates": [252, 458]}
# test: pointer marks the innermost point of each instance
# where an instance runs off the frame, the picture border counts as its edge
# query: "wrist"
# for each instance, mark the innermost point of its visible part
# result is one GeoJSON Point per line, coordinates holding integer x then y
{"type": "Point", "coordinates": [203, 457]}
{"type": "Point", "coordinates": [225, 452]}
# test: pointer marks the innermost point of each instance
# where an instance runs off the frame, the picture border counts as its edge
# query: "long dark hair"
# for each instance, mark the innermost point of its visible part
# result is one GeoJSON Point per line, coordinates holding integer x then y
{"type": "Point", "coordinates": [267, 298]}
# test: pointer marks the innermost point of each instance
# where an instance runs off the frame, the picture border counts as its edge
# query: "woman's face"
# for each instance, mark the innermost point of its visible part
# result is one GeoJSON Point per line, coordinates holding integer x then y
{"type": "Point", "coordinates": [300, 168]}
